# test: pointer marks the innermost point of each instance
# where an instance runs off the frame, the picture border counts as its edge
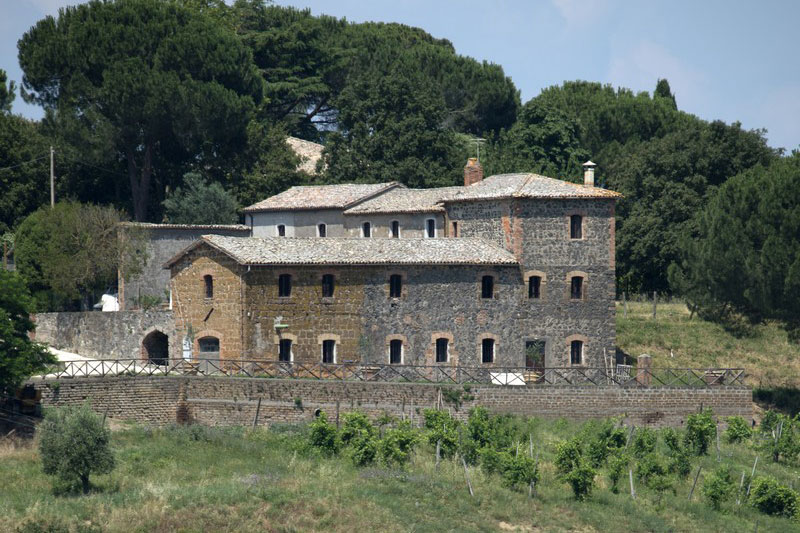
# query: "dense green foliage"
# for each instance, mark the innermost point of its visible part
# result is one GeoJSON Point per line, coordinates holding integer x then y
{"type": "Point", "coordinates": [73, 444]}
{"type": "Point", "coordinates": [20, 357]}
{"type": "Point", "coordinates": [73, 251]}
{"type": "Point", "coordinates": [200, 202]}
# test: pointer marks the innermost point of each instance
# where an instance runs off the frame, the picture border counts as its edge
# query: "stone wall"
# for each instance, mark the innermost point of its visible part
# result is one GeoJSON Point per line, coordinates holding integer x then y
{"type": "Point", "coordinates": [229, 401]}
{"type": "Point", "coordinates": [165, 240]}
{"type": "Point", "coordinates": [100, 335]}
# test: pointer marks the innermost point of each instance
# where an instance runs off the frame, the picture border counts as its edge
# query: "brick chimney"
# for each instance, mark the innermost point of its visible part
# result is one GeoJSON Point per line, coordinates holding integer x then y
{"type": "Point", "coordinates": [588, 174]}
{"type": "Point", "coordinates": [473, 172]}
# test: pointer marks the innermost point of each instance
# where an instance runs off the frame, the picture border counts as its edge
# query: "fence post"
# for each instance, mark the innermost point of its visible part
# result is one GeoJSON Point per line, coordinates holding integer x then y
{"type": "Point", "coordinates": [644, 374]}
{"type": "Point", "coordinates": [655, 304]}
{"type": "Point", "coordinates": [258, 409]}
{"type": "Point", "coordinates": [624, 304]}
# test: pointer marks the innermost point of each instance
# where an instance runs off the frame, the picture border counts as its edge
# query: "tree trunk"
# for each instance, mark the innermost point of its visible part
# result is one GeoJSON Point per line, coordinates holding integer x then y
{"type": "Point", "coordinates": [85, 483]}
{"type": "Point", "coordinates": [140, 181]}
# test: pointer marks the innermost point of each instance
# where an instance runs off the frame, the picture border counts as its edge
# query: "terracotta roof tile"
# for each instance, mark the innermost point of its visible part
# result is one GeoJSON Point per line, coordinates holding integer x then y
{"type": "Point", "coordinates": [527, 186]}
{"type": "Point", "coordinates": [401, 200]}
{"type": "Point", "coordinates": [321, 197]}
{"type": "Point", "coordinates": [203, 227]}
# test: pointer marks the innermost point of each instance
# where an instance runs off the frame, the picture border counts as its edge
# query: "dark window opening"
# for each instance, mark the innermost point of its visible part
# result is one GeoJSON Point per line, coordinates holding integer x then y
{"type": "Point", "coordinates": [395, 229]}
{"type": "Point", "coordinates": [208, 345]}
{"type": "Point", "coordinates": [487, 351]}
{"type": "Point", "coordinates": [441, 350]}
{"type": "Point", "coordinates": [487, 287]}
{"type": "Point", "coordinates": [322, 229]}
{"type": "Point", "coordinates": [366, 229]}
{"type": "Point", "coordinates": [395, 352]}
{"type": "Point", "coordinates": [281, 230]}
{"type": "Point", "coordinates": [430, 228]}
{"type": "Point", "coordinates": [576, 288]}
{"type": "Point", "coordinates": [395, 286]}
{"type": "Point", "coordinates": [327, 286]}
{"type": "Point", "coordinates": [285, 351]}
{"type": "Point", "coordinates": [535, 287]}
{"type": "Point", "coordinates": [576, 352]}
{"type": "Point", "coordinates": [208, 282]}
{"type": "Point", "coordinates": [285, 285]}
{"type": "Point", "coordinates": [156, 348]}
{"type": "Point", "coordinates": [534, 355]}
{"type": "Point", "coordinates": [329, 351]}
{"type": "Point", "coordinates": [455, 229]}
{"type": "Point", "coordinates": [576, 227]}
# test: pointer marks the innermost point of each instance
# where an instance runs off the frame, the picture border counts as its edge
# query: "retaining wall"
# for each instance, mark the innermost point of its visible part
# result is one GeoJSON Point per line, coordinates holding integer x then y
{"type": "Point", "coordinates": [161, 400]}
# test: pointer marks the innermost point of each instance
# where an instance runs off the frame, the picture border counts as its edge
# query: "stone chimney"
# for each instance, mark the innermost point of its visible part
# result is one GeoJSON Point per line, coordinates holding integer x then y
{"type": "Point", "coordinates": [473, 172]}
{"type": "Point", "coordinates": [588, 174]}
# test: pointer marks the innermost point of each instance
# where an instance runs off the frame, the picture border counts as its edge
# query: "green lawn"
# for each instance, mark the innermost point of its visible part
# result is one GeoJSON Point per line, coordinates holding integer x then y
{"type": "Point", "coordinates": [185, 479]}
{"type": "Point", "coordinates": [767, 356]}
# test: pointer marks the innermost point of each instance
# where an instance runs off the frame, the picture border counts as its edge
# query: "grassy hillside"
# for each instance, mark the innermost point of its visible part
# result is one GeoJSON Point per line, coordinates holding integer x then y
{"type": "Point", "coordinates": [196, 479]}
{"type": "Point", "coordinates": [767, 356]}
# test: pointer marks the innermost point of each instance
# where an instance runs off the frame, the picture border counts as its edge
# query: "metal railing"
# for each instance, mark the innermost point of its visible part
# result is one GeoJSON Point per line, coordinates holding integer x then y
{"type": "Point", "coordinates": [622, 376]}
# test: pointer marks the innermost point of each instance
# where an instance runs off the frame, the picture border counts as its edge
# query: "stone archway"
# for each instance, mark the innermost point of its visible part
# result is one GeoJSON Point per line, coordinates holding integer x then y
{"type": "Point", "coordinates": [155, 348]}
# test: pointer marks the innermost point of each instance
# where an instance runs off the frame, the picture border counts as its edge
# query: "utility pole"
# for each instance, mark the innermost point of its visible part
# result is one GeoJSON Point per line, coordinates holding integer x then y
{"type": "Point", "coordinates": [52, 180]}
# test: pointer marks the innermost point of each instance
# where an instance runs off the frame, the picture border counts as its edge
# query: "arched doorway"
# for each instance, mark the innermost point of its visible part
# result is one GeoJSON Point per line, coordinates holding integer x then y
{"type": "Point", "coordinates": [208, 347]}
{"type": "Point", "coordinates": [155, 348]}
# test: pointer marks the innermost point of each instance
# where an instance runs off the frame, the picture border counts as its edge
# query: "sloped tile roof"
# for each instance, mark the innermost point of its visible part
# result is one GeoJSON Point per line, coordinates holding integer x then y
{"type": "Point", "coordinates": [226, 227]}
{"type": "Point", "coordinates": [305, 197]}
{"type": "Point", "coordinates": [354, 251]}
{"type": "Point", "coordinates": [308, 152]}
{"type": "Point", "coordinates": [402, 200]}
{"type": "Point", "coordinates": [525, 185]}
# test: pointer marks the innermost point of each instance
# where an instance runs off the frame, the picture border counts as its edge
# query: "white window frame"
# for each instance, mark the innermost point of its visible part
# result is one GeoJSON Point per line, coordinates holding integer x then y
{"type": "Point", "coordinates": [425, 229]}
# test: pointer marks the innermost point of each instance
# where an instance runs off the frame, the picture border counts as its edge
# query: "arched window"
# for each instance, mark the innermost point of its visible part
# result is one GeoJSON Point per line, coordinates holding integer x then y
{"type": "Point", "coordinates": [430, 228]}
{"type": "Point", "coordinates": [285, 351]}
{"type": "Point", "coordinates": [284, 285]}
{"type": "Point", "coordinates": [487, 351]}
{"type": "Point", "coordinates": [576, 352]}
{"type": "Point", "coordinates": [322, 230]}
{"type": "Point", "coordinates": [442, 350]}
{"type": "Point", "coordinates": [281, 230]}
{"type": "Point", "coordinates": [395, 229]}
{"type": "Point", "coordinates": [395, 352]}
{"type": "Point", "coordinates": [395, 286]}
{"type": "Point", "coordinates": [487, 287]}
{"type": "Point", "coordinates": [329, 351]}
{"type": "Point", "coordinates": [209, 346]}
{"type": "Point", "coordinates": [575, 227]}
{"type": "Point", "coordinates": [535, 287]}
{"type": "Point", "coordinates": [366, 230]}
{"type": "Point", "coordinates": [155, 348]}
{"type": "Point", "coordinates": [208, 285]}
{"type": "Point", "coordinates": [327, 285]}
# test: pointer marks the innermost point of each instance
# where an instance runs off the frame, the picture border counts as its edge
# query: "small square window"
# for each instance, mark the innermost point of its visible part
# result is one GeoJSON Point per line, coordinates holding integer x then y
{"type": "Point", "coordinates": [576, 352]}
{"type": "Point", "coordinates": [285, 351]}
{"type": "Point", "coordinates": [487, 351]}
{"type": "Point", "coordinates": [442, 349]}
{"type": "Point", "coordinates": [487, 287]}
{"type": "Point", "coordinates": [576, 227]}
{"type": "Point", "coordinates": [329, 351]}
{"type": "Point", "coordinates": [576, 288]}
{"type": "Point", "coordinates": [535, 287]}
{"type": "Point", "coordinates": [285, 285]}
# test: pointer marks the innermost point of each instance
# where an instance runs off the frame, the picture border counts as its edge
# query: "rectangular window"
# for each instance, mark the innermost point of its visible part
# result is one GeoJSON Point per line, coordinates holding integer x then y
{"type": "Point", "coordinates": [322, 230]}
{"type": "Point", "coordinates": [395, 352]}
{"type": "Point", "coordinates": [576, 288]}
{"type": "Point", "coordinates": [487, 287]}
{"type": "Point", "coordinates": [430, 228]}
{"type": "Point", "coordinates": [329, 351]}
{"type": "Point", "coordinates": [441, 350]}
{"type": "Point", "coordinates": [327, 286]}
{"type": "Point", "coordinates": [281, 230]}
{"type": "Point", "coordinates": [535, 287]}
{"type": "Point", "coordinates": [576, 227]}
{"type": "Point", "coordinates": [395, 229]}
{"type": "Point", "coordinates": [487, 351]}
{"type": "Point", "coordinates": [395, 286]}
{"type": "Point", "coordinates": [576, 352]}
{"type": "Point", "coordinates": [285, 285]}
{"type": "Point", "coordinates": [285, 351]}
{"type": "Point", "coordinates": [366, 230]}
{"type": "Point", "coordinates": [208, 281]}
{"type": "Point", "coordinates": [454, 224]}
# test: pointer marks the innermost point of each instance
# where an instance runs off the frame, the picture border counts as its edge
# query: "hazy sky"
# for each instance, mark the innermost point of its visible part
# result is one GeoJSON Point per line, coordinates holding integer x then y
{"type": "Point", "coordinates": [729, 60]}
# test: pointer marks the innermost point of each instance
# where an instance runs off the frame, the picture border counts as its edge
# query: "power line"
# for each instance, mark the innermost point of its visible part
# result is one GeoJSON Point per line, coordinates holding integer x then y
{"type": "Point", "coordinates": [26, 162]}
{"type": "Point", "coordinates": [75, 160]}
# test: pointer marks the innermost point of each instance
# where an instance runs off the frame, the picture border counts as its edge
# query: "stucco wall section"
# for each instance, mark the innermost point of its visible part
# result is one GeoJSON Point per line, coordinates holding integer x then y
{"type": "Point", "coordinates": [298, 223]}
{"type": "Point", "coordinates": [412, 226]}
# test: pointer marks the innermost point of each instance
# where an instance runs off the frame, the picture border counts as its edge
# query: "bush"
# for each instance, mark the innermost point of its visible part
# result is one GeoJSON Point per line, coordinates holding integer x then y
{"type": "Point", "coordinates": [609, 439]}
{"type": "Point", "coordinates": [648, 467]}
{"type": "Point", "coordinates": [738, 429]}
{"type": "Point", "coordinates": [363, 450]}
{"type": "Point", "coordinates": [718, 487]}
{"type": "Point", "coordinates": [396, 446]}
{"type": "Point", "coordinates": [573, 468]}
{"type": "Point", "coordinates": [581, 479]}
{"type": "Point", "coordinates": [73, 444]}
{"type": "Point", "coordinates": [700, 429]}
{"type": "Point", "coordinates": [519, 471]}
{"type": "Point", "coordinates": [355, 426]}
{"type": "Point", "coordinates": [568, 456]}
{"type": "Point", "coordinates": [492, 460]}
{"type": "Point", "coordinates": [442, 428]}
{"type": "Point", "coordinates": [644, 443]}
{"type": "Point", "coordinates": [324, 435]}
{"type": "Point", "coordinates": [680, 464]}
{"type": "Point", "coordinates": [770, 497]}
{"type": "Point", "coordinates": [617, 465]}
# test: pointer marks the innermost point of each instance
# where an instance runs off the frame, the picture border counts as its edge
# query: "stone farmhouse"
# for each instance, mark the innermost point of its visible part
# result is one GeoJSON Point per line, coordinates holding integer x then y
{"type": "Point", "coordinates": [514, 270]}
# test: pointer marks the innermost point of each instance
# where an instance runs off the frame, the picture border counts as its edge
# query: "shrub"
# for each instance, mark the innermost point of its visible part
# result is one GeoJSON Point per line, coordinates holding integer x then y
{"type": "Point", "coordinates": [519, 471]}
{"type": "Point", "coordinates": [672, 439]}
{"type": "Point", "coordinates": [355, 426]}
{"type": "Point", "coordinates": [492, 460]}
{"type": "Point", "coordinates": [363, 450]}
{"type": "Point", "coordinates": [609, 439]}
{"type": "Point", "coordinates": [648, 467]}
{"type": "Point", "coordinates": [617, 465]}
{"type": "Point", "coordinates": [574, 469]}
{"type": "Point", "coordinates": [738, 430]}
{"type": "Point", "coordinates": [568, 456]}
{"type": "Point", "coordinates": [770, 497]}
{"type": "Point", "coordinates": [700, 429]}
{"type": "Point", "coordinates": [769, 421]}
{"type": "Point", "coordinates": [680, 463]}
{"type": "Point", "coordinates": [644, 443]}
{"type": "Point", "coordinates": [442, 428]}
{"type": "Point", "coordinates": [324, 435]}
{"type": "Point", "coordinates": [73, 444]}
{"type": "Point", "coordinates": [396, 446]}
{"type": "Point", "coordinates": [581, 479]}
{"type": "Point", "coordinates": [718, 487]}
